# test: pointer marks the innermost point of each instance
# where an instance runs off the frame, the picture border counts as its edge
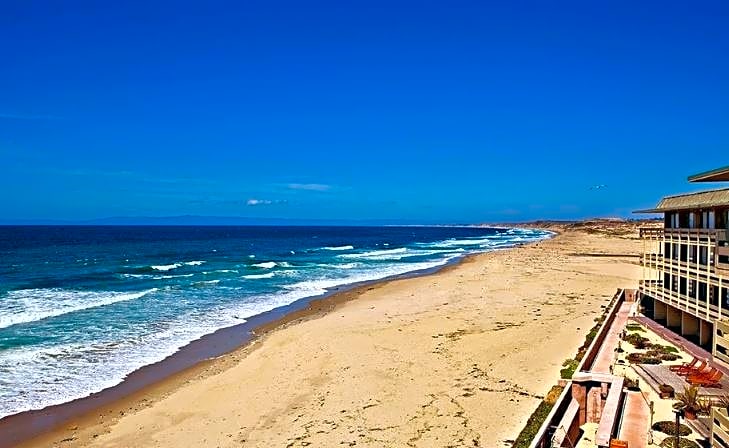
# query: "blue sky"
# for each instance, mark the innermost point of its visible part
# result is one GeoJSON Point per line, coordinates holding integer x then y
{"type": "Point", "coordinates": [416, 111]}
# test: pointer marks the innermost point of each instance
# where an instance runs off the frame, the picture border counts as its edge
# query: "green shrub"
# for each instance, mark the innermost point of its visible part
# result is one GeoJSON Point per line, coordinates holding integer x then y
{"type": "Point", "coordinates": [570, 365]}
{"type": "Point", "coordinates": [664, 348]}
{"type": "Point", "coordinates": [537, 419]}
{"type": "Point", "coordinates": [638, 341]}
{"type": "Point", "coordinates": [591, 336]}
{"type": "Point", "coordinates": [634, 327]}
{"type": "Point", "coordinates": [643, 358]}
{"type": "Point", "coordinates": [668, 427]}
{"type": "Point", "coordinates": [682, 443]}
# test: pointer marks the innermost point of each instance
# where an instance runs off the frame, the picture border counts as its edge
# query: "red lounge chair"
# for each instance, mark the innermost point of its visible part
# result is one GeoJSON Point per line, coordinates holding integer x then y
{"type": "Point", "coordinates": [711, 380]}
{"type": "Point", "coordinates": [685, 366]}
{"type": "Point", "coordinates": [703, 364]}
{"type": "Point", "coordinates": [701, 375]}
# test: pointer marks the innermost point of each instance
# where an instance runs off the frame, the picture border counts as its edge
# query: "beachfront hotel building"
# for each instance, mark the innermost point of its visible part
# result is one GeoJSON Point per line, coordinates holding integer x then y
{"type": "Point", "coordinates": [685, 265]}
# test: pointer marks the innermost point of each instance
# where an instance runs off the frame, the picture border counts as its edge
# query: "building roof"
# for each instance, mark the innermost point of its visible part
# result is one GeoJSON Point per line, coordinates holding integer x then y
{"type": "Point", "coordinates": [717, 175]}
{"type": "Point", "coordinates": [701, 199]}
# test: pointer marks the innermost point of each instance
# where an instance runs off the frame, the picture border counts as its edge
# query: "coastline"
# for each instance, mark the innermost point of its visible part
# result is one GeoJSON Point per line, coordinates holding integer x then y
{"type": "Point", "coordinates": [84, 428]}
{"type": "Point", "coordinates": [195, 360]}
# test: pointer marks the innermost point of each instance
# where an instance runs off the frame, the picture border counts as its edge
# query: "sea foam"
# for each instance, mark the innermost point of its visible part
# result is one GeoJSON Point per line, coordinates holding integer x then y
{"type": "Point", "coordinates": [166, 267]}
{"type": "Point", "coordinates": [258, 276]}
{"type": "Point", "coordinates": [266, 265]}
{"type": "Point", "coordinates": [30, 305]}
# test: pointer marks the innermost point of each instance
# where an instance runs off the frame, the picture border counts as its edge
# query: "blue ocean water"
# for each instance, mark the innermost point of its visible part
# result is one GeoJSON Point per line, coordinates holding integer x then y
{"type": "Point", "coordinates": [82, 307]}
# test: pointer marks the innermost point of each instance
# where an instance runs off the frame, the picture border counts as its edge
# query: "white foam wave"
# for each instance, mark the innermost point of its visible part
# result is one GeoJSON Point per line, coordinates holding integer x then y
{"type": "Point", "coordinates": [266, 265]}
{"type": "Point", "coordinates": [338, 248]}
{"type": "Point", "coordinates": [258, 276]}
{"type": "Point", "coordinates": [51, 375]}
{"type": "Point", "coordinates": [165, 277]}
{"type": "Point", "coordinates": [195, 262]}
{"type": "Point", "coordinates": [402, 253]}
{"type": "Point", "coordinates": [207, 282]}
{"type": "Point", "coordinates": [375, 253]}
{"type": "Point", "coordinates": [166, 267]}
{"type": "Point", "coordinates": [221, 271]}
{"type": "Point", "coordinates": [310, 288]}
{"type": "Point", "coordinates": [136, 276]}
{"type": "Point", "coordinates": [340, 265]}
{"type": "Point", "coordinates": [30, 305]}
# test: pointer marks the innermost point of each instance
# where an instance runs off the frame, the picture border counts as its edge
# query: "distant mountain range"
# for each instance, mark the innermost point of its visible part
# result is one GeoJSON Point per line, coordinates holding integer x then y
{"type": "Point", "coordinates": [193, 220]}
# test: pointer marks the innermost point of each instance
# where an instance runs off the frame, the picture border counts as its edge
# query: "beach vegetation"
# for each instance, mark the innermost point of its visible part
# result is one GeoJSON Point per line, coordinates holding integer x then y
{"type": "Point", "coordinates": [537, 418]}
{"type": "Point", "coordinates": [669, 442]}
{"type": "Point", "coordinates": [638, 341]}
{"type": "Point", "coordinates": [661, 355]}
{"type": "Point", "coordinates": [634, 327]}
{"type": "Point", "coordinates": [665, 348]}
{"type": "Point", "coordinates": [643, 358]}
{"type": "Point", "coordinates": [568, 368]}
{"type": "Point", "coordinates": [669, 427]}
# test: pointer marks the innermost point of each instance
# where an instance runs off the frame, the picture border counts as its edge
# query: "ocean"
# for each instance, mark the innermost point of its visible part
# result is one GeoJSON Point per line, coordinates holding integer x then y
{"type": "Point", "coordinates": [82, 307]}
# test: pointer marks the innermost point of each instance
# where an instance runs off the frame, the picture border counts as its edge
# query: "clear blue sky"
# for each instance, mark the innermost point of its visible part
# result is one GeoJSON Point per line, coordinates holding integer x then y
{"type": "Point", "coordinates": [420, 111]}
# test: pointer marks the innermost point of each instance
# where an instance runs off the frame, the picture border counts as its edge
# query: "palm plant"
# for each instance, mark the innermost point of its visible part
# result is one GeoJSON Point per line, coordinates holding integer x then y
{"type": "Point", "coordinates": [689, 401]}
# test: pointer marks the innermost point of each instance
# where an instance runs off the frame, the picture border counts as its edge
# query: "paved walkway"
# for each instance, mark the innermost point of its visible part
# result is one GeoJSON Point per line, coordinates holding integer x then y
{"type": "Point", "coordinates": [636, 419]}
{"type": "Point", "coordinates": [636, 413]}
{"type": "Point", "coordinates": [606, 356]}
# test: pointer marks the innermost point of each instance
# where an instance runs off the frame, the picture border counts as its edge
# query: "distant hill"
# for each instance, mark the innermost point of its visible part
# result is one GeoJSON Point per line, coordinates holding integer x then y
{"type": "Point", "coordinates": [194, 220]}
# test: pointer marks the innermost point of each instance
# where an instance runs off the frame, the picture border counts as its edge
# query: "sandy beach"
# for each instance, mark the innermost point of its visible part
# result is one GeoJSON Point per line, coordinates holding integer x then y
{"type": "Point", "coordinates": [457, 358]}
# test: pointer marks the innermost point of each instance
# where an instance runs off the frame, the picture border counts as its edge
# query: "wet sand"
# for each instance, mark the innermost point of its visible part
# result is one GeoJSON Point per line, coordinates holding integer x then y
{"type": "Point", "coordinates": [457, 358]}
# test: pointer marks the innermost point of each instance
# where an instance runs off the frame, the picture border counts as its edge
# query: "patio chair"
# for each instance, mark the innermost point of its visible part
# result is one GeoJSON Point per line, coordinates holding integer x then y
{"type": "Point", "coordinates": [685, 366]}
{"type": "Point", "coordinates": [710, 380]}
{"type": "Point", "coordinates": [696, 370]}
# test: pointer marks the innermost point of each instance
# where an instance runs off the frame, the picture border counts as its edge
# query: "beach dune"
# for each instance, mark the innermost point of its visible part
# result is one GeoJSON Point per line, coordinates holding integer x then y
{"type": "Point", "coordinates": [457, 358]}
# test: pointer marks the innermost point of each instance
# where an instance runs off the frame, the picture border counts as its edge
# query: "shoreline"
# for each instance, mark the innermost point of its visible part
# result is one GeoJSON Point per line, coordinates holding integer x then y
{"type": "Point", "coordinates": [107, 419]}
{"type": "Point", "coordinates": [196, 357]}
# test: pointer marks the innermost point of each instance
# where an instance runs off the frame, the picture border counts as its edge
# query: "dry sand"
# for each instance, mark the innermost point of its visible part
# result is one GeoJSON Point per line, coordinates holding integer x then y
{"type": "Point", "coordinates": [457, 358]}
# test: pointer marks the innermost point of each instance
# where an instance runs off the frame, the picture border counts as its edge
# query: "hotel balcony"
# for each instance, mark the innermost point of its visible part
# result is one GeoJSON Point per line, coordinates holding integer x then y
{"type": "Point", "coordinates": [686, 251]}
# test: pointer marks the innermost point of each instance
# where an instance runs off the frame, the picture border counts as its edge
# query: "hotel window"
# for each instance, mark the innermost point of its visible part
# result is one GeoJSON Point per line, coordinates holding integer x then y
{"type": "Point", "coordinates": [673, 220]}
{"type": "Point", "coordinates": [709, 220]}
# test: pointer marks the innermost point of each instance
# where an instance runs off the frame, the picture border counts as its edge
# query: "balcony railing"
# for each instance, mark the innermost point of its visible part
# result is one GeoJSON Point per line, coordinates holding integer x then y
{"type": "Point", "coordinates": [716, 241]}
{"type": "Point", "coordinates": [692, 305]}
{"type": "Point", "coordinates": [653, 232]}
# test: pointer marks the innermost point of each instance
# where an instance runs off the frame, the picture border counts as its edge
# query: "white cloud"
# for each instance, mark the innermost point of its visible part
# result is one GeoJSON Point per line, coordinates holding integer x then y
{"type": "Point", "coordinates": [310, 187]}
